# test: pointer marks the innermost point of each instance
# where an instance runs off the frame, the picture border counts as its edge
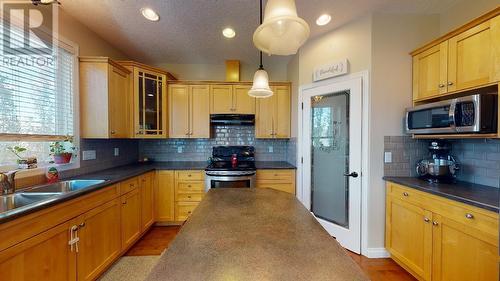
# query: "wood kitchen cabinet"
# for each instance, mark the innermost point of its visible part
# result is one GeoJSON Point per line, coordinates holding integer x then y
{"type": "Point", "coordinates": [438, 239]}
{"type": "Point", "coordinates": [146, 184]}
{"type": "Point", "coordinates": [130, 218]}
{"type": "Point", "coordinates": [466, 58]}
{"type": "Point", "coordinates": [272, 116]}
{"type": "Point", "coordinates": [189, 190]}
{"type": "Point", "coordinates": [104, 98]}
{"type": "Point", "coordinates": [189, 111]}
{"type": "Point", "coordinates": [99, 245]}
{"type": "Point", "coordinates": [282, 180]}
{"type": "Point", "coordinates": [149, 100]}
{"type": "Point", "coordinates": [45, 256]}
{"type": "Point", "coordinates": [165, 196]}
{"type": "Point", "coordinates": [231, 99]}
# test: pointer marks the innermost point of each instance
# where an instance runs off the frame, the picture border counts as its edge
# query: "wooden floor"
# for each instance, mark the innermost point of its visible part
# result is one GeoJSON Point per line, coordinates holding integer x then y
{"type": "Point", "coordinates": [159, 237]}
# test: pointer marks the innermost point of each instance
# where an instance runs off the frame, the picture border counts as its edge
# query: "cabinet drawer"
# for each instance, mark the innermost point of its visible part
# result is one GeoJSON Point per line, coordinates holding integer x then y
{"type": "Point", "coordinates": [184, 209]}
{"type": "Point", "coordinates": [406, 194]}
{"type": "Point", "coordinates": [276, 175]}
{"type": "Point", "coordinates": [468, 216]}
{"type": "Point", "coordinates": [128, 185]}
{"type": "Point", "coordinates": [190, 187]}
{"type": "Point", "coordinates": [190, 175]}
{"type": "Point", "coordinates": [286, 187]}
{"type": "Point", "coordinates": [189, 197]}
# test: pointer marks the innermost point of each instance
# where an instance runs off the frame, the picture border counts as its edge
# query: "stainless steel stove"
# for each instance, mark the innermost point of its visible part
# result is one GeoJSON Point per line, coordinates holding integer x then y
{"type": "Point", "coordinates": [231, 167]}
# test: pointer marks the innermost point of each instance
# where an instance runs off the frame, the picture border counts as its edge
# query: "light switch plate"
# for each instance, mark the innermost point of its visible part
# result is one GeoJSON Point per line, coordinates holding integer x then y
{"type": "Point", "coordinates": [179, 149]}
{"type": "Point", "coordinates": [117, 151]}
{"type": "Point", "coordinates": [387, 157]}
{"type": "Point", "coordinates": [270, 149]}
{"type": "Point", "coordinates": [88, 155]}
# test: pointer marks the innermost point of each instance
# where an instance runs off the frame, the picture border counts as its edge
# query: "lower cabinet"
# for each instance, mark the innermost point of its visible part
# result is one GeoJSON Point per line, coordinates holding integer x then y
{"type": "Point", "coordinates": [439, 239]}
{"type": "Point", "coordinates": [45, 256]}
{"type": "Point", "coordinates": [130, 218]}
{"type": "Point", "coordinates": [98, 245]}
{"type": "Point", "coordinates": [189, 190]}
{"type": "Point", "coordinates": [164, 194]}
{"type": "Point", "coordinates": [282, 180]}
{"type": "Point", "coordinates": [146, 184]}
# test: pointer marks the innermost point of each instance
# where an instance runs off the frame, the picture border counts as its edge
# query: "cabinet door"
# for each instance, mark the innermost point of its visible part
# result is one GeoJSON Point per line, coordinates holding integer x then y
{"type": "Point", "coordinates": [243, 103]}
{"type": "Point", "coordinates": [165, 196]}
{"type": "Point", "coordinates": [45, 257]}
{"type": "Point", "coordinates": [118, 103]}
{"type": "Point", "coordinates": [147, 210]}
{"type": "Point", "coordinates": [264, 117]}
{"type": "Point", "coordinates": [471, 60]}
{"type": "Point", "coordinates": [463, 252]}
{"type": "Point", "coordinates": [282, 112]}
{"type": "Point", "coordinates": [409, 236]}
{"type": "Point", "coordinates": [130, 218]}
{"type": "Point", "coordinates": [179, 111]}
{"type": "Point", "coordinates": [430, 72]}
{"type": "Point", "coordinates": [99, 246]}
{"type": "Point", "coordinates": [150, 114]}
{"type": "Point", "coordinates": [200, 111]}
{"type": "Point", "coordinates": [221, 99]}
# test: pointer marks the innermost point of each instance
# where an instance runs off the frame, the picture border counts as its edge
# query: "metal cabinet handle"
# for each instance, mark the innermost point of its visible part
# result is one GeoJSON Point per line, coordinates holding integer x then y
{"type": "Point", "coordinates": [405, 194]}
{"type": "Point", "coordinates": [124, 202]}
{"type": "Point", "coordinates": [189, 196]}
{"type": "Point", "coordinates": [82, 224]}
{"type": "Point", "coordinates": [441, 85]}
{"type": "Point", "coordinates": [469, 216]}
{"type": "Point", "coordinates": [427, 220]}
{"type": "Point", "coordinates": [435, 223]}
{"type": "Point", "coordinates": [450, 83]}
{"type": "Point", "coordinates": [113, 132]}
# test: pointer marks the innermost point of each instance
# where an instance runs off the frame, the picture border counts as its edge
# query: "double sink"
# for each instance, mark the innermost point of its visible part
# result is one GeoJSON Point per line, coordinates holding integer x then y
{"type": "Point", "coordinates": [43, 193]}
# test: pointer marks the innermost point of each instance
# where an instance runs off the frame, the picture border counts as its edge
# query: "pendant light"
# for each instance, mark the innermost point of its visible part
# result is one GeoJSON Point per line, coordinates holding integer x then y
{"type": "Point", "coordinates": [282, 32]}
{"type": "Point", "coordinates": [260, 87]}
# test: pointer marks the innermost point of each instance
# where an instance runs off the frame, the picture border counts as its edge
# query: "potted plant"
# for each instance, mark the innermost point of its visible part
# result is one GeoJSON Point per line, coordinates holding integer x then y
{"type": "Point", "coordinates": [62, 151]}
{"type": "Point", "coordinates": [23, 162]}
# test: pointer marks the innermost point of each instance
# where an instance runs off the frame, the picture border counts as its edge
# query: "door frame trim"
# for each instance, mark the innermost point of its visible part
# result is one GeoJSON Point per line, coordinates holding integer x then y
{"type": "Point", "coordinates": [365, 144]}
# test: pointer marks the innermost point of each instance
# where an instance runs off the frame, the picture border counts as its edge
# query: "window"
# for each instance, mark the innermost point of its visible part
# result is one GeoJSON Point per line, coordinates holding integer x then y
{"type": "Point", "coordinates": [37, 97]}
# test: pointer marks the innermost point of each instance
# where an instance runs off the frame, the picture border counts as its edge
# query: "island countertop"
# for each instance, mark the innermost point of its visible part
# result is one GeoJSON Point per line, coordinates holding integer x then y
{"type": "Point", "coordinates": [254, 234]}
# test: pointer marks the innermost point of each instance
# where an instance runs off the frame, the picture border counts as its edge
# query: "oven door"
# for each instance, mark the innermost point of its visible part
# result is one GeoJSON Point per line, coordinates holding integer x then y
{"type": "Point", "coordinates": [433, 118]}
{"type": "Point", "coordinates": [229, 181]}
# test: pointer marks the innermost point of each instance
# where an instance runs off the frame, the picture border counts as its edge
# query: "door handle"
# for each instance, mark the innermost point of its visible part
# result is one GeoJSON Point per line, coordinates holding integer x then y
{"type": "Point", "coordinates": [353, 174]}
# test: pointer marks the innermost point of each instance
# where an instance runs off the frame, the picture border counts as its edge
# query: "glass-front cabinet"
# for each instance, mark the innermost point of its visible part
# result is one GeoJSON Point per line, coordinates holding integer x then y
{"type": "Point", "coordinates": [149, 101]}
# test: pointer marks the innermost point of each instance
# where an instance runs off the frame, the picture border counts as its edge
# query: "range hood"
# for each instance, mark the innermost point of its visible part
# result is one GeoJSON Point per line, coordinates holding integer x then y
{"type": "Point", "coordinates": [232, 119]}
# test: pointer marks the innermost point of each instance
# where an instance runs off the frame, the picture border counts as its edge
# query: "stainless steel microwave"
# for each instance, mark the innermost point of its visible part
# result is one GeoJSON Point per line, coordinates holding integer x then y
{"type": "Point", "coordinates": [470, 114]}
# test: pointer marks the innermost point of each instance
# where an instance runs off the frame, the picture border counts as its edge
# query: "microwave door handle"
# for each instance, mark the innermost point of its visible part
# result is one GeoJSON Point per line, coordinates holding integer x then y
{"type": "Point", "coordinates": [452, 116]}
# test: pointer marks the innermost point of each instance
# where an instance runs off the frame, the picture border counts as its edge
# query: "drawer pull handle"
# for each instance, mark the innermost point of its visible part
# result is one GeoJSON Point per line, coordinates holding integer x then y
{"type": "Point", "coordinates": [435, 223]}
{"type": "Point", "coordinates": [427, 220]}
{"type": "Point", "coordinates": [469, 216]}
{"type": "Point", "coordinates": [189, 185]}
{"type": "Point", "coordinates": [405, 194]}
{"type": "Point", "coordinates": [82, 225]}
{"type": "Point", "coordinates": [189, 196]}
{"type": "Point", "coordinates": [189, 175]}
{"type": "Point", "coordinates": [189, 212]}
{"type": "Point", "coordinates": [124, 202]}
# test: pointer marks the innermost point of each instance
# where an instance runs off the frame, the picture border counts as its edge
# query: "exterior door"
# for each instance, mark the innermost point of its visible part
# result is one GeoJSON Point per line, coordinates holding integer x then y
{"type": "Point", "coordinates": [332, 158]}
{"type": "Point", "coordinates": [99, 244]}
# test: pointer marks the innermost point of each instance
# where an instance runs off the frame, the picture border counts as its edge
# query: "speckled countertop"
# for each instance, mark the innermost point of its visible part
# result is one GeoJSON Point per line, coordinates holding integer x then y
{"type": "Point", "coordinates": [254, 234]}
{"type": "Point", "coordinates": [118, 174]}
{"type": "Point", "coordinates": [481, 196]}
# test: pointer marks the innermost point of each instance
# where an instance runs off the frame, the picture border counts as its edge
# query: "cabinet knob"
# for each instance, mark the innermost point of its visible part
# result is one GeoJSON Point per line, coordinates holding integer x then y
{"type": "Point", "coordinates": [469, 216]}
{"type": "Point", "coordinates": [405, 194]}
{"type": "Point", "coordinates": [82, 224]}
{"type": "Point", "coordinates": [427, 220]}
{"type": "Point", "coordinates": [124, 202]}
{"type": "Point", "coordinates": [113, 132]}
{"type": "Point", "coordinates": [450, 83]}
{"type": "Point", "coordinates": [189, 212]}
{"type": "Point", "coordinates": [189, 185]}
{"type": "Point", "coordinates": [435, 223]}
{"type": "Point", "coordinates": [441, 85]}
{"type": "Point", "coordinates": [189, 175]}
{"type": "Point", "coordinates": [189, 196]}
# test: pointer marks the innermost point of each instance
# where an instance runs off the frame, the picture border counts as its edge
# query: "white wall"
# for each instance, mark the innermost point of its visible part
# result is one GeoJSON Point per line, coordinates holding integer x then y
{"type": "Point", "coordinates": [463, 12]}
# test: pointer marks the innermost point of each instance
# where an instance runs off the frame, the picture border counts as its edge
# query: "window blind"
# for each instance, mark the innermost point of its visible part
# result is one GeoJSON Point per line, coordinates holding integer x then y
{"type": "Point", "coordinates": [36, 89]}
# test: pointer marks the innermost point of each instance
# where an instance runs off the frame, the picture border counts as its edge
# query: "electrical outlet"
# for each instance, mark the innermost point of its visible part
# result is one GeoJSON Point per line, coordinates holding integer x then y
{"type": "Point", "coordinates": [117, 151]}
{"type": "Point", "coordinates": [270, 149]}
{"type": "Point", "coordinates": [387, 157]}
{"type": "Point", "coordinates": [179, 149]}
{"type": "Point", "coordinates": [88, 155]}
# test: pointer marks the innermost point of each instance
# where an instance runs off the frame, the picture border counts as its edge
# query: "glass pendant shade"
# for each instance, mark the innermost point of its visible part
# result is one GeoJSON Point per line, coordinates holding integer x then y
{"type": "Point", "coordinates": [260, 87]}
{"type": "Point", "coordinates": [282, 32]}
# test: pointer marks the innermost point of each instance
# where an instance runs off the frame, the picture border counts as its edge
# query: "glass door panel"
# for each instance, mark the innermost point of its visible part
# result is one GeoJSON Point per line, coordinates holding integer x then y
{"type": "Point", "coordinates": [150, 104]}
{"type": "Point", "coordinates": [330, 157]}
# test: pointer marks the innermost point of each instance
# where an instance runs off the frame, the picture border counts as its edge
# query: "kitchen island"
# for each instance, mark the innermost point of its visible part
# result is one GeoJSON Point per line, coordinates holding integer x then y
{"type": "Point", "coordinates": [254, 234]}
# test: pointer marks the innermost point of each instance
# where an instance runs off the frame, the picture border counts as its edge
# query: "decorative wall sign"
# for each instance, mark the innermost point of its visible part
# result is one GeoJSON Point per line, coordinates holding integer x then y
{"type": "Point", "coordinates": [331, 70]}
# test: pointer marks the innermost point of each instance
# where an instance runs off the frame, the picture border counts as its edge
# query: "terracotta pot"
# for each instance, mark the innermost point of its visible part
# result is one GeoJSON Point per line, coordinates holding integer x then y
{"type": "Point", "coordinates": [62, 158]}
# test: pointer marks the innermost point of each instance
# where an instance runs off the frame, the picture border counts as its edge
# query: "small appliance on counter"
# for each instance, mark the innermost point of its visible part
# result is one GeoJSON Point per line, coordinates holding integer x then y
{"type": "Point", "coordinates": [441, 166]}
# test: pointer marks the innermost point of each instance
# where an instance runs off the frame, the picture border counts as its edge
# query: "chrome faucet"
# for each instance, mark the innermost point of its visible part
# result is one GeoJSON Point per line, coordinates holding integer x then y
{"type": "Point", "coordinates": [8, 182]}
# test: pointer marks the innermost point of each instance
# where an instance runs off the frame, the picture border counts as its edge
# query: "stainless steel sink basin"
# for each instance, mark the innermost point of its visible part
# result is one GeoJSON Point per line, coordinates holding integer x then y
{"type": "Point", "coordinates": [17, 200]}
{"type": "Point", "coordinates": [63, 186]}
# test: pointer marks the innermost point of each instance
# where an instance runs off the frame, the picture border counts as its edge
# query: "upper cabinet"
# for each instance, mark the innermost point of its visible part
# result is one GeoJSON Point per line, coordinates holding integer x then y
{"type": "Point", "coordinates": [231, 99]}
{"type": "Point", "coordinates": [104, 98]}
{"type": "Point", "coordinates": [149, 100]}
{"type": "Point", "coordinates": [463, 59]}
{"type": "Point", "coordinates": [189, 111]}
{"type": "Point", "coordinates": [272, 116]}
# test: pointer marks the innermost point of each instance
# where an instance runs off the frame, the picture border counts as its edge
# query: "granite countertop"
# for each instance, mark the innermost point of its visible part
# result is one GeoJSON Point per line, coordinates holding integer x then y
{"type": "Point", "coordinates": [254, 234]}
{"type": "Point", "coordinates": [485, 197]}
{"type": "Point", "coordinates": [115, 175]}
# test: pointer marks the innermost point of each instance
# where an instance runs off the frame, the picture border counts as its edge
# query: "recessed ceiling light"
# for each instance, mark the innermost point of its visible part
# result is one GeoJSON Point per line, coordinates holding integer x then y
{"type": "Point", "coordinates": [149, 14]}
{"type": "Point", "coordinates": [228, 32]}
{"type": "Point", "coordinates": [323, 19]}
